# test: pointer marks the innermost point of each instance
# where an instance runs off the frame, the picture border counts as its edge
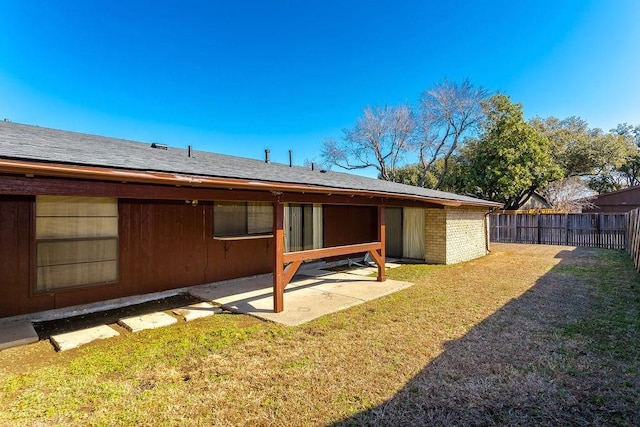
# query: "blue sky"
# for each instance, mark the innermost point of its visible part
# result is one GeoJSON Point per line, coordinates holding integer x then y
{"type": "Point", "coordinates": [239, 77]}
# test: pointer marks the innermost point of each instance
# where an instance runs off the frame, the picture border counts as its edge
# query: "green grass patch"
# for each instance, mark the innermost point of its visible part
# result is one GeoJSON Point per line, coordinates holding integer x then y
{"type": "Point", "coordinates": [614, 327]}
{"type": "Point", "coordinates": [503, 339]}
{"type": "Point", "coordinates": [413, 272]}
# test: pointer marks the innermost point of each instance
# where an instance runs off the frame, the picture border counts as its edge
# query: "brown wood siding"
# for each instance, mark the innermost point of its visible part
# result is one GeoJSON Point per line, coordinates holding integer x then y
{"type": "Point", "coordinates": [163, 245]}
{"type": "Point", "coordinates": [347, 225]}
{"type": "Point", "coordinates": [166, 245]}
{"type": "Point", "coordinates": [15, 256]}
{"type": "Point", "coordinates": [616, 202]}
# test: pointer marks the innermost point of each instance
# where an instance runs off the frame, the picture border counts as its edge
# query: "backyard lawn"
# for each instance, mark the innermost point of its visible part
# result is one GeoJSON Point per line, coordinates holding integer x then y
{"type": "Point", "coordinates": [529, 335]}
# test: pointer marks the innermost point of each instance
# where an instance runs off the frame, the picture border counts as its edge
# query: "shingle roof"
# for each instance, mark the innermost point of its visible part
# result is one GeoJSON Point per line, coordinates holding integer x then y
{"type": "Point", "coordinates": [44, 145]}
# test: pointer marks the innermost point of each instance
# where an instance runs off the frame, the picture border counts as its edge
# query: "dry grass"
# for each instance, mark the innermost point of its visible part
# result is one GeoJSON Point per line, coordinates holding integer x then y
{"type": "Point", "coordinates": [529, 335]}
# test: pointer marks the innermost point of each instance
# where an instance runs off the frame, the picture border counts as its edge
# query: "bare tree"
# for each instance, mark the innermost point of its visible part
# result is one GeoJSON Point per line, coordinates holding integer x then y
{"type": "Point", "coordinates": [569, 194]}
{"type": "Point", "coordinates": [380, 139]}
{"type": "Point", "coordinates": [448, 113]}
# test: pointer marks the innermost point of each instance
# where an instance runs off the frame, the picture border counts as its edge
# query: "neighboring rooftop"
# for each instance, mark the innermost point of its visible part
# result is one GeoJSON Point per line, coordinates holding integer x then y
{"type": "Point", "coordinates": [36, 144]}
{"type": "Point", "coordinates": [619, 201]}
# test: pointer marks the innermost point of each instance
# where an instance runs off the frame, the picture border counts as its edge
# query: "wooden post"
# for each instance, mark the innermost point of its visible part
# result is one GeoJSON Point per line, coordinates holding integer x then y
{"type": "Point", "coordinates": [278, 251]}
{"type": "Point", "coordinates": [382, 275]}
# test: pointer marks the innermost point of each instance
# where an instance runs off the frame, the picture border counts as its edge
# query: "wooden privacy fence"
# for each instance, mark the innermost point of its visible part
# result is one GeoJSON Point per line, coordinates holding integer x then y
{"type": "Point", "coordinates": [600, 230]}
{"type": "Point", "coordinates": [633, 241]}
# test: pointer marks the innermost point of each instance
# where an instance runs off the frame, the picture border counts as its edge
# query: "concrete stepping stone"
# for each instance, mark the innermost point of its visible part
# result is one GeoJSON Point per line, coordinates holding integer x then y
{"type": "Point", "coordinates": [196, 311]}
{"type": "Point", "coordinates": [75, 339]}
{"type": "Point", "coordinates": [15, 333]}
{"type": "Point", "coordinates": [147, 321]}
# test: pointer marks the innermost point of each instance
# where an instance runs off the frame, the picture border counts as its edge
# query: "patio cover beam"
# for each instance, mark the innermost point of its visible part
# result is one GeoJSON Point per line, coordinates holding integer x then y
{"type": "Point", "coordinates": [292, 260]}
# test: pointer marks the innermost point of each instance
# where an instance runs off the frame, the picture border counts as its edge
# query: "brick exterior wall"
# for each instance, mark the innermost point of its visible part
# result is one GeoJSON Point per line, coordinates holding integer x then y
{"type": "Point", "coordinates": [454, 235]}
{"type": "Point", "coordinates": [466, 234]}
{"type": "Point", "coordinates": [435, 241]}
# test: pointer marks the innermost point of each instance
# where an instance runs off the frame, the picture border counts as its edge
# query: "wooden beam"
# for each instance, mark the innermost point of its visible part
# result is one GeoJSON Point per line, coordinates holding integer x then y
{"type": "Point", "coordinates": [329, 252]}
{"type": "Point", "coordinates": [355, 200]}
{"type": "Point", "coordinates": [378, 260]}
{"type": "Point", "coordinates": [382, 275]}
{"type": "Point", "coordinates": [290, 271]}
{"type": "Point", "coordinates": [21, 185]}
{"type": "Point", "coordinates": [74, 187]}
{"type": "Point", "coordinates": [278, 261]}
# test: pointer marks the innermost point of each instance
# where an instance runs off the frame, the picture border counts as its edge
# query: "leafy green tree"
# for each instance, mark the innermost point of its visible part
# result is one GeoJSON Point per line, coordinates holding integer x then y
{"type": "Point", "coordinates": [510, 160]}
{"type": "Point", "coordinates": [409, 174]}
{"type": "Point", "coordinates": [629, 171]}
{"type": "Point", "coordinates": [434, 177]}
{"type": "Point", "coordinates": [586, 152]}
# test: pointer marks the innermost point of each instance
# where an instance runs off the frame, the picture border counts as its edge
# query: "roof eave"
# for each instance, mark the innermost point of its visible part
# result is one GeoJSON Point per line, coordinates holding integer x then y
{"type": "Point", "coordinates": [163, 178]}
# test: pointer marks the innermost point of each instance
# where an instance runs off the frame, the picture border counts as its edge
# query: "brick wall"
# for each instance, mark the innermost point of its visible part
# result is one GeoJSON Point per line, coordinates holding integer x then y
{"type": "Point", "coordinates": [454, 234]}
{"type": "Point", "coordinates": [435, 242]}
{"type": "Point", "coordinates": [466, 234]}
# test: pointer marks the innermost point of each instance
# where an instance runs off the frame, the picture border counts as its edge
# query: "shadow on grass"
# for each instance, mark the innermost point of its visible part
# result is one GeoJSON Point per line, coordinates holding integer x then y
{"type": "Point", "coordinates": [566, 352]}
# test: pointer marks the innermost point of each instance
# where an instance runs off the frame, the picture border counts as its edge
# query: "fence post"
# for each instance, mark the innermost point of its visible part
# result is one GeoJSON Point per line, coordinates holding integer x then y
{"type": "Point", "coordinates": [566, 229]}
{"type": "Point", "coordinates": [539, 224]}
{"type": "Point", "coordinates": [627, 223]}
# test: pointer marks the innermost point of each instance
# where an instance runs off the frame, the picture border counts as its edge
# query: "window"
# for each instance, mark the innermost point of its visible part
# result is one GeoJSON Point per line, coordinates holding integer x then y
{"type": "Point", "coordinates": [76, 241]}
{"type": "Point", "coordinates": [302, 227]}
{"type": "Point", "coordinates": [242, 219]}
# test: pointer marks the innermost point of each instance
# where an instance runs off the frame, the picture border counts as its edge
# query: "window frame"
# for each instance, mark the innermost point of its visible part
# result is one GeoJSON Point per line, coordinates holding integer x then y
{"type": "Point", "coordinates": [35, 241]}
{"type": "Point", "coordinates": [245, 233]}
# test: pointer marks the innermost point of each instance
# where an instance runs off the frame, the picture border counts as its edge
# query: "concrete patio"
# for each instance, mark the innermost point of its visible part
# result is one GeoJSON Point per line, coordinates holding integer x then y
{"type": "Point", "coordinates": [313, 293]}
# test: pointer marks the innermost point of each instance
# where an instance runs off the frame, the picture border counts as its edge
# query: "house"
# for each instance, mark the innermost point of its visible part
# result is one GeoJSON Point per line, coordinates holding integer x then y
{"type": "Point", "coordinates": [85, 219]}
{"type": "Point", "coordinates": [619, 201]}
{"type": "Point", "coordinates": [536, 202]}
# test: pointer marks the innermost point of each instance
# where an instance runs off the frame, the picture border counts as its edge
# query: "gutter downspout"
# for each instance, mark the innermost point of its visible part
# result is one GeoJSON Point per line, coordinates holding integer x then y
{"type": "Point", "coordinates": [486, 229]}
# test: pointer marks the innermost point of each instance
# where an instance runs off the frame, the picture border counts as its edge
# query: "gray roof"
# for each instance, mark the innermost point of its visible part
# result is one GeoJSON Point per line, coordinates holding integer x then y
{"type": "Point", "coordinates": [44, 145]}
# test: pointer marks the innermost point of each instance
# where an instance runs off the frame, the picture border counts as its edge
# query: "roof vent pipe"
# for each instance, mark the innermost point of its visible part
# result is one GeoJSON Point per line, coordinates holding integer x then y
{"type": "Point", "coordinates": [266, 156]}
{"type": "Point", "coordinates": [290, 158]}
{"type": "Point", "coordinates": [189, 151]}
{"type": "Point", "coordinates": [313, 167]}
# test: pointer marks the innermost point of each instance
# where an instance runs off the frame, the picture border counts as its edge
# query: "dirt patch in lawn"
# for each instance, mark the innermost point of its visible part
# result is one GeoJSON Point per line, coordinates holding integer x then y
{"type": "Point", "coordinates": [23, 359]}
{"type": "Point", "coordinates": [530, 335]}
{"type": "Point", "coordinates": [74, 323]}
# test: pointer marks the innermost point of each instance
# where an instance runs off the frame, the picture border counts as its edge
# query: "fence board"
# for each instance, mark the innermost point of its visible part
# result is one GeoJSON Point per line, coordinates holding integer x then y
{"type": "Point", "coordinates": [601, 230]}
{"type": "Point", "coordinates": [633, 232]}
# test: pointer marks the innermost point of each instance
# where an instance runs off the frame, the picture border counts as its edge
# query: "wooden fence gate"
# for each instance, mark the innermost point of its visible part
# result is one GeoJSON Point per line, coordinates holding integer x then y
{"type": "Point", "coordinates": [600, 230]}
